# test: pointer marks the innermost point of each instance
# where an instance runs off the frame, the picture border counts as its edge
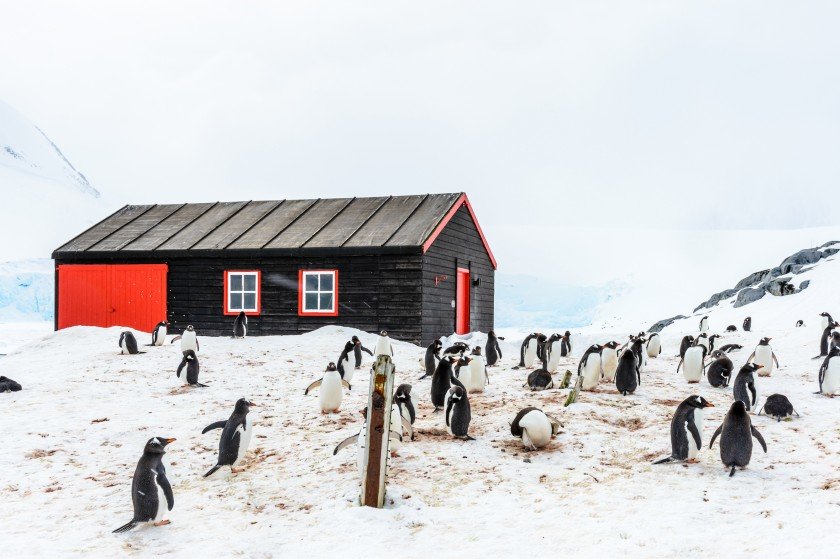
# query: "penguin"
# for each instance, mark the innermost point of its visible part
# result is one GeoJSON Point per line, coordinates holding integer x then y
{"type": "Point", "coordinates": [159, 333]}
{"type": "Point", "coordinates": [609, 361]}
{"type": "Point", "coordinates": [687, 429]}
{"type": "Point", "coordinates": [402, 397]}
{"type": "Point", "coordinates": [825, 320]}
{"type": "Point", "coordinates": [477, 371]}
{"type": "Point", "coordinates": [637, 346]}
{"type": "Point", "coordinates": [778, 407]}
{"type": "Point", "coordinates": [654, 346]}
{"type": "Point", "coordinates": [552, 353]}
{"type": "Point", "coordinates": [240, 325]}
{"type": "Point", "coordinates": [704, 324]}
{"type": "Point", "coordinates": [712, 342]}
{"type": "Point", "coordinates": [8, 385]}
{"type": "Point", "coordinates": [492, 350]}
{"type": "Point", "coordinates": [719, 372]}
{"type": "Point", "coordinates": [189, 340]}
{"type": "Point", "coordinates": [589, 367]}
{"type": "Point", "coordinates": [190, 361]}
{"type": "Point", "coordinates": [686, 343]}
{"type": "Point", "coordinates": [800, 323]}
{"type": "Point", "coordinates": [729, 348]}
{"type": "Point", "coordinates": [332, 389]}
{"type": "Point", "coordinates": [541, 339]}
{"type": "Point", "coordinates": [539, 379]}
{"type": "Point", "coordinates": [442, 380]}
{"type": "Point", "coordinates": [128, 344]}
{"type": "Point", "coordinates": [744, 382]}
{"type": "Point", "coordinates": [693, 363]}
{"type": "Point", "coordinates": [458, 349]}
{"type": "Point", "coordinates": [566, 345]}
{"type": "Point", "coordinates": [466, 378]}
{"type": "Point", "coordinates": [764, 356]}
{"type": "Point", "coordinates": [824, 338]}
{"type": "Point", "coordinates": [383, 345]}
{"type": "Point", "coordinates": [736, 433]}
{"type": "Point", "coordinates": [829, 373]}
{"type": "Point", "coordinates": [703, 340]}
{"type": "Point", "coordinates": [151, 492]}
{"type": "Point", "coordinates": [236, 436]}
{"type": "Point", "coordinates": [528, 351]}
{"type": "Point", "coordinates": [627, 375]}
{"type": "Point", "coordinates": [731, 328]}
{"type": "Point", "coordinates": [458, 407]}
{"type": "Point", "coordinates": [534, 427]}
{"type": "Point", "coordinates": [358, 348]}
{"type": "Point", "coordinates": [343, 367]}
{"type": "Point", "coordinates": [432, 356]}
{"type": "Point", "coordinates": [747, 324]}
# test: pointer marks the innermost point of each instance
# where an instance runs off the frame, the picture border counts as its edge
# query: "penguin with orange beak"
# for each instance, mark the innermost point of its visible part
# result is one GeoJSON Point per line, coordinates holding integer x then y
{"type": "Point", "coordinates": [151, 492]}
{"type": "Point", "coordinates": [687, 430]}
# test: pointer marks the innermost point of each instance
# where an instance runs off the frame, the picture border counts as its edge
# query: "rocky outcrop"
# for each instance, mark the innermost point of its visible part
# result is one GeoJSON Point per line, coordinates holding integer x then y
{"type": "Point", "coordinates": [665, 323]}
{"type": "Point", "coordinates": [747, 296]}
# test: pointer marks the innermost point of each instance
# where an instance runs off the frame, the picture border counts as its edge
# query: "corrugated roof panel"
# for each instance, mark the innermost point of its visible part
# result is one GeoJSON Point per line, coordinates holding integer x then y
{"type": "Point", "coordinates": [168, 227]}
{"type": "Point", "coordinates": [423, 221]}
{"type": "Point", "coordinates": [349, 220]}
{"type": "Point", "coordinates": [272, 224]}
{"type": "Point", "coordinates": [136, 228]}
{"type": "Point", "coordinates": [236, 225]}
{"type": "Point", "coordinates": [103, 228]}
{"type": "Point", "coordinates": [201, 226]}
{"type": "Point", "coordinates": [386, 221]}
{"type": "Point", "coordinates": [309, 223]}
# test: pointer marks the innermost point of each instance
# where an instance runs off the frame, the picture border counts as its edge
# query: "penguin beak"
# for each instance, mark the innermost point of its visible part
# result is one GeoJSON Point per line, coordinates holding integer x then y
{"type": "Point", "coordinates": [169, 441]}
{"type": "Point", "coordinates": [709, 405]}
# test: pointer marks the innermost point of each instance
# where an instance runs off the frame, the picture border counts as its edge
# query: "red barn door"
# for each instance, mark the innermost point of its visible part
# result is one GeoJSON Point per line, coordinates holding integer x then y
{"type": "Point", "coordinates": [462, 302]}
{"type": "Point", "coordinates": [132, 295]}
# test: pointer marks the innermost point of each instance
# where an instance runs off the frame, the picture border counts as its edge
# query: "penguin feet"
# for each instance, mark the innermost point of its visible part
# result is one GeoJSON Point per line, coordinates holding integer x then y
{"type": "Point", "coordinates": [162, 523]}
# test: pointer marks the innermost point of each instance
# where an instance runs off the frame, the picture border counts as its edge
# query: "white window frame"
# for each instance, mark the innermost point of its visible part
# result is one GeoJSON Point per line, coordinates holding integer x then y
{"type": "Point", "coordinates": [334, 292]}
{"type": "Point", "coordinates": [229, 309]}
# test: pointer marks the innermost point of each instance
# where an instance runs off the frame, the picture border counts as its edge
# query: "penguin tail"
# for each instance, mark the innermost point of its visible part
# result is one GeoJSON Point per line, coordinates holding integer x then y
{"type": "Point", "coordinates": [424, 376]}
{"type": "Point", "coordinates": [202, 385]}
{"type": "Point", "coordinates": [125, 527]}
{"type": "Point", "coordinates": [667, 460]}
{"type": "Point", "coordinates": [732, 471]}
{"type": "Point", "coordinates": [212, 470]}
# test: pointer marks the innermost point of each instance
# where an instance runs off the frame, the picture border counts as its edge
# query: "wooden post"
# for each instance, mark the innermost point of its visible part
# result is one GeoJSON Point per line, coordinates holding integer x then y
{"type": "Point", "coordinates": [378, 423]}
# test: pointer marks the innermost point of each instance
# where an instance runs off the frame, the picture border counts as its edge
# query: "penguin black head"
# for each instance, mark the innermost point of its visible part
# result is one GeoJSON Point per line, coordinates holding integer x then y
{"type": "Point", "coordinates": [824, 314]}
{"type": "Point", "coordinates": [451, 359]}
{"type": "Point", "coordinates": [190, 355]}
{"type": "Point", "coordinates": [717, 354]}
{"type": "Point", "coordinates": [567, 333]}
{"type": "Point", "coordinates": [243, 406]}
{"type": "Point", "coordinates": [348, 347]}
{"type": "Point", "coordinates": [331, 367]}
{"type": "Point", "coordinates": [714, 337]}
{"type": "Point", "coordinates": [403, 392]}
{"type": "Point", "coordinates": [696, 401]}
{"type": "Point", "coordinates": [764, 341]}
{"type": "Point", "coordinates": [541, 337]}
{"type": "Point", "coordinates": [384, 333]}
{"type": "Point", "coordinates": [190, 328]}
{"type": "Point", "coordinates": [611, 345]}
{"type": "Point", "coordinates": [356, 340]}
{"type": "Point", "coordinates": [157, 445]}
{"type": "Point", "coordinates": [703, 335]}
{"type": "Point", "coordinates": [476, 350]}
{"type": "Point", "coordinates": [456, 393]}
{"type": "Point", "coordinates": [738, 408]}
{"type": "Point", "coordinates": [751, 367]}
{"type": "Point", "coordinates": [835, 337]}
{"type": "Point", "coordinates": [464, 361]}
{"type": "Point", "coordinates": [438, 344]}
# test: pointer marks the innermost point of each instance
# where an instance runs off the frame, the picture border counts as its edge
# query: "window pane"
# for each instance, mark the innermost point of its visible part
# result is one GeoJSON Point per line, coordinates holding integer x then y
{"type": "Point", "coordinates": [311, 283]}
{"type": "Point", "coordinates": [310, 302]}
{"type": "Point", "coordinates": [326, 301]}
{"type": "Point", "coordinates": [236, 282]}
{"type": "Point", "coordinates": [326, 282]}
{"type": "Point", "coordinates": [250, 282]}
{"type": "Point", "coordinates": [236, 301]}
{"type": "Point", "coordinates": [250, 301]}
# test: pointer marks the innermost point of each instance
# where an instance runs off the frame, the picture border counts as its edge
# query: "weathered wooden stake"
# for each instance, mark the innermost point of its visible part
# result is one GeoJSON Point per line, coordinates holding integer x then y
{"type": "Point", "coordinates": [378, 423]}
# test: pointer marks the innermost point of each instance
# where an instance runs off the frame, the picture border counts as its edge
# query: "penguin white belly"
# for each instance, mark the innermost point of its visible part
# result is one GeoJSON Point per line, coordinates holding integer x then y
{"type": "Point", "coordinates": [592, 372]}
{"type": "Point", "coordinates": [123, 348]}
{"type": "Point", "coordinates": [643, 364]}
{"type": "Point", "coordinates": [764, 357]}
{"type": "Point", "coordinates": [332, 392]}
{"type": "Point", "coordinates": [530, 354]}
{"type": "Point", "coordinates": [609, 363]}
{"type": "Point", "coordinates": [396, 429]}
{"type": "Point", "coordinates": [693, 364]}
{"type": "Point", "coordinates": [466, 378]}
{"type": "Point", "coordinates": [654, 347]}
{"type": "Point", "coordinates": [383, 347]}
{"type": "Point", "coordinates": [693, 449]}
{"type": "Point", "coordinates": [831, 381]}
{"type": "Point", "coordinates": [163, 508]}
{"type": "Point", "coordinates": [477, 377]}
{"type": "Point", "coordinates": [536, 429]}
{"type": "Point", "coordinates": [160, 336]}
{"type": "Point", "coordinates": [704, 342]}
{"type": "Point", "coordinates": [554, 358]}
{"type": "Point", "coordinates": [348, 369]}
{"type": "Point", "coordinates": [244, 440]}
{"type": "Point", "coordinates": [188, 340]}
{"type": "Point", "coordinates": [704, 326]}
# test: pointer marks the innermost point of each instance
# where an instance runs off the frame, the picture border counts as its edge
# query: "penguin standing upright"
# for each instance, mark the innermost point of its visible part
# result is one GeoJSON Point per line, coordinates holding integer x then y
{"type": "Point", "coordinates": [344, 367]}
{"type": "Point", "coordinates": [764, 356]}
{"type": "Point", "coordinates": [825, 337]}
{"type": "Point", "coordinates": [151, 492]}
{"type": "Point", "coordinates": [719, 371]}
{"type": "Point", "coordinates": [458, 407]}
{"type": "Point", "coordinates": [778, 407]}
{"type": "Point", "coordinates": [431, 358]}
{"type": "Point", "coordinates": [589, 367]}
{"type": "Point", "coordinates": [383, 345]}
{"type": "Point", "coordinates": [704, 324]}
{"type": "Point", "coordinates": [159, 333]}
{"type": "Point", "coordinates": [190, 361]}
{"type": "Point", "coordinates": [637, 347]}
{"type": "Point", "coordinates": [703, 340]}
{"type": "Point", "coordinates": [406, 407]}
{"type": "Point", "coordinates": [442, 380]}
{"type": "Point", "coordinates": [128, 344]}
{"type": "Point", "coordinates": [534, 427]}
{"type": "Point", "coordinates": [829, 373]}
{"type": "Point", "coordinates": [358, 348]}
{"type": "Point", "coordinates": [825, 320]}
{"type": "Point", "coordinates": [654, 345]}
{"type": "Point", "coordinates": [744, 388]}
{"type": "Point", "coordinates": [541, 339]}
{"type": "Point", "coordinates": [478, 371]}
{"type": "Point", "coordinates": [492, 350]}
{"type": "Point", "coordinates": [566, 344]}
{"type": "Point", "coordinates": [240, 325]}
{"type": "Point", "coordinates": [747, 324]}
{"type": "Point", "coordinates": [712, 341]}
{"type": "Point", "coordinates": [189, 339]}
{"type": "Point", "coordinates": [736, 433]}
{"type": "Point", "coordinates": [609, 361]}
{"type": "Point", "coordinates": [686, 343]}
{"type": "Point", "coordinates": [687, 429]}
{"type": "Point", "coordinates": [236, 436]}
{"type": "Point", "coordinates": [528, 351]}
{"type": "Point", "coordinates": [332, 389]}
{"type": "Point", "coordinates": [627, 376]}
{"type": "Point", "coordinates": [693, 364]}
{"type": "Point", "coordinates": [552, 353]}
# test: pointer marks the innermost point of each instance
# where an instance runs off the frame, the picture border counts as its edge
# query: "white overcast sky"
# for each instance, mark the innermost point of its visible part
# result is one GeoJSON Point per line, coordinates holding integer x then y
{"type": "Point", "coordinates": [622, 114]}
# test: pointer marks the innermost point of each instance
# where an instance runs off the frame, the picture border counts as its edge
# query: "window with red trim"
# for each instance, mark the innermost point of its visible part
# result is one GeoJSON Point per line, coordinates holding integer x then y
{"type": "Point", "coordinates": [318, 292]}
{"type": "Point", "coordinates": [242, 291]}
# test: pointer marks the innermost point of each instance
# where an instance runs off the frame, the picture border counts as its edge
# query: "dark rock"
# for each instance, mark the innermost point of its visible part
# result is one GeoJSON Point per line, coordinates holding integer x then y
{"type": "Point", "coordinates": [780, 287]}
{"type": "Point", "coordinates": [830, 251]}
{"type": "Point", "coordinates": [665, 323]}
{"type": "Point", "coordinates": [751, 279]}
{"type": "Point", "coordinates": [806, 256]}
{"type": "Point", "coordinates": [748, 295]}
{"type": "Point", "coordinates": [829, 243]}
{"type": "Point", "coordinates": [804, 285]}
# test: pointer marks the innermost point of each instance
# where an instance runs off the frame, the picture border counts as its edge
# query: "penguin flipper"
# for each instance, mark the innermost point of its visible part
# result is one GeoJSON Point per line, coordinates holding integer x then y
{"type": "Point", "coordinates": [181, 366]}
{"type": "Point", "coordinates": [555, 424]}
{"type": "Point", "coordinates": [216, 425]}
{"type": "Point", "coordinates": [346, 384]}
{"type": "Point", "coordinates": [212, 470]}
{"type": "Point", "coordinates": [667, 460]}
{"type": "Point", "coordinates": [125, 527]}
{"type": "Point", "coordinates": [166, 486]}
{"type": "Point", "coordinates": [369, 352]}
{"type": "Point", "coordinates": [732, 471]}
{"type": "Point", "coordinates": [315, 384]}
{"type": "Point", "coordinates": [759, 438]}
{"type": "Point", "coordinates": [751, 357]}
{"type": "Point", "coordinates": [775, 360]}
{"type": "Point", "coordinates": [692, 428]}
{"type": "Point", "coordinates": [346, 442]}
{"type": "Point", "coordinates": [175, 339]}
{"type": "Point", "coordinates": [717, 432]}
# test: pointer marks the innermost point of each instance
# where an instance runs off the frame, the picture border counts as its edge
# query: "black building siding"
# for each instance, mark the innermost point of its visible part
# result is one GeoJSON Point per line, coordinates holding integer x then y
{"type": "Point", "coordinates": [458, 245]}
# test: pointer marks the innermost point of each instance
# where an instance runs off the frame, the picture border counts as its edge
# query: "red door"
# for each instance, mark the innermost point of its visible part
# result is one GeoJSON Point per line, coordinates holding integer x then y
{"type": "Point", "coordinates": [132, 295]}
{"type": "Point", "coordinates": [462, 302]}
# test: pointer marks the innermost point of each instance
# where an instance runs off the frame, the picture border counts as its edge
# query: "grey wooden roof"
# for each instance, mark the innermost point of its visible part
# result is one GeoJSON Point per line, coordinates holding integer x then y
{"type": "Point", "coordinates": [350, 223]}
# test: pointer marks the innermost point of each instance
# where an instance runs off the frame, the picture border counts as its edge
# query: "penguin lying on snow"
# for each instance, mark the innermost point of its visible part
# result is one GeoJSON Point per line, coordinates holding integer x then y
{"type": "Point", "coordinates": [539, 379]}
{"type": "Point", "coordinates": [431, 358]}
{"type": "Point", "coordinates": [128, 344]}
{"type": "Point", "coordinates": [736, 433]}
{"type": "Point", "coordinates": [729, 348]}
{"type": "Point", "coordinates": [458, 349]}
{"type": "Point", "coordinates": [719, 372]}
{"type": "Point", "coordinates": [8, 385]}
{"type": "Point", "coordinates": [731, 328]}
{"type": "Point", "coordinates": [687, 429]}
{"type": "Point", "coordinates": [534, 427]}
{"type": "Point", "coordinates": [151, 493]}
{"type": "Point", "coordinates": [778, 406]}
{"type": "Point", "coordinates": [236, 436]}
{"type": "Point", "coordinates": [358, 348]}
{"type": "Point", "coordinates": [332, 392]}
{"type": "Point", "coordinates": [190, 361]}
{"type": "Point", "coordinates": [459, 408]}
{"type": "Point", "coordinates": [492, 351]}
{"type": "Point", "coordinates": [159, 333]}
{"type": "Point", "coordinates": [189, 339]}
{"type": "Point", "coordinates": [240, 325]}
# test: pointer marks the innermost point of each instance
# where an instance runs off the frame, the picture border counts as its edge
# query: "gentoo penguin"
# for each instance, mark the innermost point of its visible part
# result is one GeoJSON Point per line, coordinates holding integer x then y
{"type": "Point", "coordinates": [800, 323]}
{"type": "Point", "coordinates": [477, 371]}
{"type": "Point", "coordinates": [431, 359]}
{"type": "Point", "coordinates": [528, 351]}
{"type": "Point", "coordinates": [566, 345]}
{"type": "Point", "coordinates": [686, 343]}
{"type": "Point", "coordinates": [458, 349]}
{"type": "Point", "coordinates": [704, 324]}
{"type": "Point", "coordinates": [778, 406]}
{"type": "Point", "coordinates": [236, 436]}
{"type": "Point", "coordinates": [589, 367]}
{"type": "Point", "coordinates": [539, 379]}
{"type": "Point", "coordinates": [442, 380]}
{"type": "Point", "coordinates": [541, 339]}
{"type": "Point", "coordinates": [764, 356]}
{"type": "Point", "coordinates": [128, 344]}
{"type": "Point", "coordinates": [458, 407]}
{"type": "Point", "coordinates": [703, 340]}
{"type": "Point", "coordinates": [824, 338]}
{"type": "Point", "coordinates": [552, 353]}
{"type": "Point", "coordinates": [736, 435]}
{"type": "Point", "coordinates": [534, 427]}
{"type": "Point", "coordinates": [463, 361]}
{"type": "Point", "coordinates": [8, 385]}
{"type": "Point", "coordinates": [383, 345]}
{"type": "Point", "coordinates": [712, 342]}
{"type": "Point", "coordinates": [358, 348]}
{"type": "Point", "coordinates": [729, 348]}
{"type": "Point", "coordinates": [609, 361]}
{"type": "Point", "coordinates": [344, 368]}
{"type": "Point", "coordinates": [637, 346]}
{"type": "Point", "coordinates": [159, 333]}
{"type": "Point", "coordinates": [189, 340]}
{"type": "Point", "coordinates": [332, 389]}
{"type": "Point", "coordinates": [747, 324]}
{"type": "Point", "coordinates": [687, 429]}
{"type": "Point", "coordinates": [627, 375]}
{"type": "Point", "coordinates": [240, 325]}
{"type": "Point", "coordinates": [693, 364]}
{"type": "Point", "coordinates": [492, 351]}
{"type": "Point", "coordinates": [654, 345]}
{"type": "Point", "coordinates": [744, 386]}
{"type": "Point", "coordinates": [151, 493]}
{"type": "Point", "coordinates": [825, 320]}
{"type": "Point", "coordinates": [829, 373]}
{"type": "Point", "coordinates": [190, 361]}
{"type": "Point", "coordinates": [731, 328]}
{"type": "Point", "coordinates": [402, 397]}
{"type": "Point", "coordinates": [719, 371]}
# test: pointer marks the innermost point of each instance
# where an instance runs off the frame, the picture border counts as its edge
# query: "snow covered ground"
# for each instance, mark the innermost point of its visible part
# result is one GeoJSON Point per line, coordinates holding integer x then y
{"type": "Point", "coordinates": [75, 432]}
